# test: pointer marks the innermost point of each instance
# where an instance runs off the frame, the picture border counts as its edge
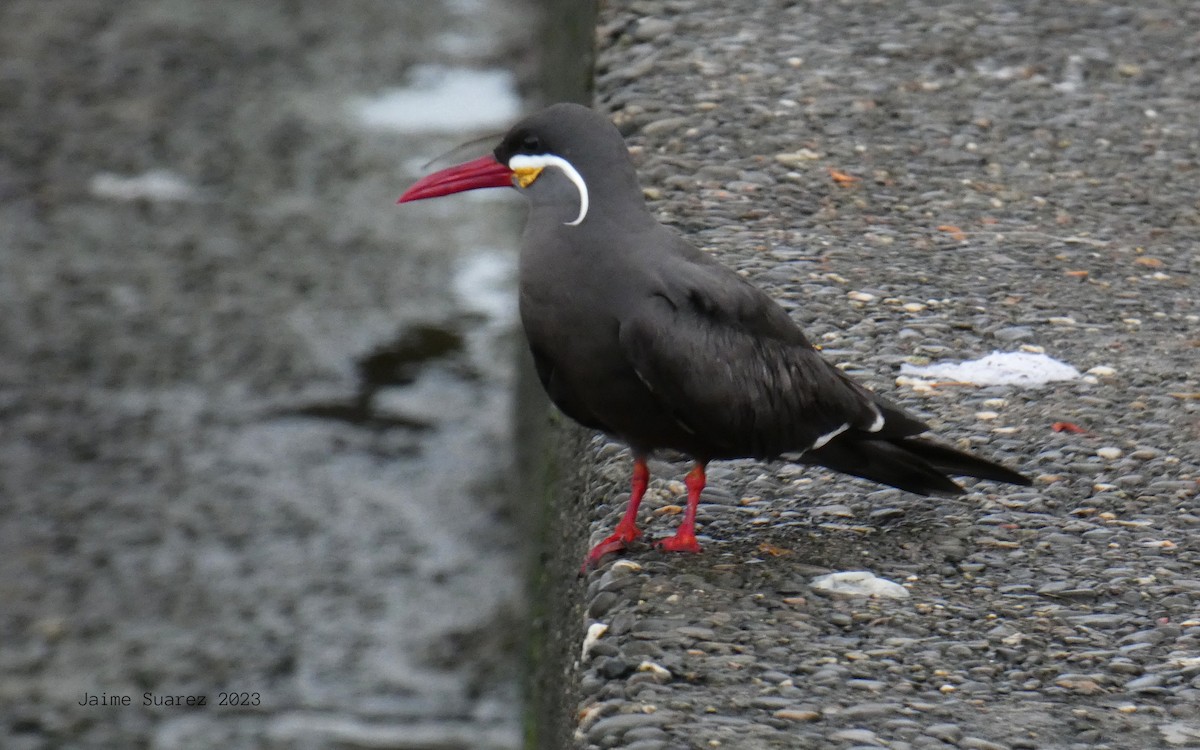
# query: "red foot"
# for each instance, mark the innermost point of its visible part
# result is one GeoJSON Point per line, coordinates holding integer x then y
{"type": "Point", "coordinates": [680, 542]}
{"type": "Point", "coordinates": [616, 542]}
{"type": "Point", "coordinates": [627, 529]}
{"type": "Point", "coordinates": [684, 539]}
{"type": "Point", "coordinates": [597, 553]}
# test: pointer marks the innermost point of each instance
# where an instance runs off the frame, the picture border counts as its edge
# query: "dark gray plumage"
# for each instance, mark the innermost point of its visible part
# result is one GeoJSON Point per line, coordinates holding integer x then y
{"type": "Point", "coordinates": [637, 333]}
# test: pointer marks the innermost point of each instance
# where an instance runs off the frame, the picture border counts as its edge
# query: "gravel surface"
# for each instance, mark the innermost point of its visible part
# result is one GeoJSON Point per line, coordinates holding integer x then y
{"type": "Point", "coordinates": [918, 181]}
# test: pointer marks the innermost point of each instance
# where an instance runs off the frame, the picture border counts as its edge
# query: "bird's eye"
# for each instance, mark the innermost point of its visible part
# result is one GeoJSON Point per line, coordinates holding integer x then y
{"type": "Point", "coordinates": [531, 144]}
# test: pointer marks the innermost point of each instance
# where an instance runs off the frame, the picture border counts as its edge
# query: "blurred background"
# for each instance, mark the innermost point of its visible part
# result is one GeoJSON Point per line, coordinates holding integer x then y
{"type": "Point", "coordinates": [255, 418]}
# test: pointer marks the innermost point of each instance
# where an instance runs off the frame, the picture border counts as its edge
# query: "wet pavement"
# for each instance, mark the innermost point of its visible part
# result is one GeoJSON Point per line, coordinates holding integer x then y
{"type": "Point", "coordinates": [254, 418]}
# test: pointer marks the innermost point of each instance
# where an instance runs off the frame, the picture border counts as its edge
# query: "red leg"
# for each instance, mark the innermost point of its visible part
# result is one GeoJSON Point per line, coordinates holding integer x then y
{"type": "Point", "coordinates": [685, 536]}
{"type": "Point", "coordinates": [627, 529]}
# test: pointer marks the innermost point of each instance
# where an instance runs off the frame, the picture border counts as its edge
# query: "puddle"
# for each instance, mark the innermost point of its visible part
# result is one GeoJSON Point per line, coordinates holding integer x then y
{"type": "Point", "coordinates": [262, 443]}
{"type": "Point", "coordinates": [155, 185]}
{"type": "Point", "coordinates": [443, 100]}
{"type": "Point", "coordinates": [398, 364]}
{"type": "Point", "coordinates": [485, 282]}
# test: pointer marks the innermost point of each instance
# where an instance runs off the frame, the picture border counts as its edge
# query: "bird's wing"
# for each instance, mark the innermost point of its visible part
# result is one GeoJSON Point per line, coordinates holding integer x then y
{"type": "Point", "coordinates": [731, 366]}
{"type": "Point", "coordinates": [560, 393]}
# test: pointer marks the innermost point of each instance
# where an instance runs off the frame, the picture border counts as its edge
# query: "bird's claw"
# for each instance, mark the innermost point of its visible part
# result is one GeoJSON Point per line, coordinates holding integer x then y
{"type": "Point", "coordinates": [680, 542]}
{"type": "Point", "coordinates": [615, 542]}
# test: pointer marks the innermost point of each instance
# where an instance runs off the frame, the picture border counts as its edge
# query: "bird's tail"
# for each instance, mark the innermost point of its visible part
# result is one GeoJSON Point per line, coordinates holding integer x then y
{"type": "Point", "coordinates": [912, 464]}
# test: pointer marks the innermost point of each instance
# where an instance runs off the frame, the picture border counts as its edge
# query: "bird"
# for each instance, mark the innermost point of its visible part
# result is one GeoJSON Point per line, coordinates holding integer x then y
{"type": "Point", "coordinates": [638, 334]}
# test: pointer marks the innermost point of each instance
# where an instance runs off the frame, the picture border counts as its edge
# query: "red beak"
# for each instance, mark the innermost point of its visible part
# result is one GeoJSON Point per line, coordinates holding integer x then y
{"type": "Point", "coordinates": [484, 172]}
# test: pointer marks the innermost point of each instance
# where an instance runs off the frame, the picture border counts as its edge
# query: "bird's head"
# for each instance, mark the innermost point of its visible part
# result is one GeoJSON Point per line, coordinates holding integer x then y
{"type": "Point", "coordinates": [565, 154]}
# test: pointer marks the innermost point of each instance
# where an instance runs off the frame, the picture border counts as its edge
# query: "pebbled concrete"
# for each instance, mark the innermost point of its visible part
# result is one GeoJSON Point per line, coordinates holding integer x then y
{"type": "Point", "coordinates": [916, 181]}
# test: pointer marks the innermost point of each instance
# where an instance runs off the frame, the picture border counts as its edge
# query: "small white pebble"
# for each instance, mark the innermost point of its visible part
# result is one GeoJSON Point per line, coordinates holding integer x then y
{"type": "Point", "coordinates": [1134, 322]}
{"type": "Point", "coordinates": [595, 632]}
{"type": "Point", "coordinates": [1062, 321]}
{"type": "Point", "coordinates": [1102, 371]}
{"type": "Point", "coordinates": [587, 716]}
{"type": "Point", "coordinates": [917, 384]}
{"type": "Point", "coordinates": [661, 674]}
{"type": "Point", "coordinates": [860, 296]}
{"type": "Point", "coordinates": [1108, 453]}
{"type": "Point", "coordinates": [914, 307]}
{"type": "Point", "coordinates": [1159, 543]}
{"type": "Point", "coordinates": [986, 415]}
{"type": "Point", "coordinates": [1033, 348]}
{"type": "Point", "coordinates": [795, 158]}
{"type": "Point", "coordinates": [852, 583]}
{"type": "Point", "coordinates": [996, 403]}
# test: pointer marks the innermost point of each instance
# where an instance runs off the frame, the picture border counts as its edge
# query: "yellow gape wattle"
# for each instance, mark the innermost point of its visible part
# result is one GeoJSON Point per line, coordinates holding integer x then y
{"type": "Point", "coordinates": [527, 167]}
{"type": "Point", "coordinates": [526, 175]}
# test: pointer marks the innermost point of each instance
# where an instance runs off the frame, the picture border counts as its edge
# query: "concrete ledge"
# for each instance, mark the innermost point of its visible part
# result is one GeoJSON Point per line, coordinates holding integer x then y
{"type": "Point", "coordinates": [916, 181]}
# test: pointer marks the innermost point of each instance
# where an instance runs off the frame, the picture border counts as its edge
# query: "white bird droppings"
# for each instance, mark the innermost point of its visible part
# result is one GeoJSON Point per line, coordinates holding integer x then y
{"type": "Point", "coordinates": [998, 368]}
